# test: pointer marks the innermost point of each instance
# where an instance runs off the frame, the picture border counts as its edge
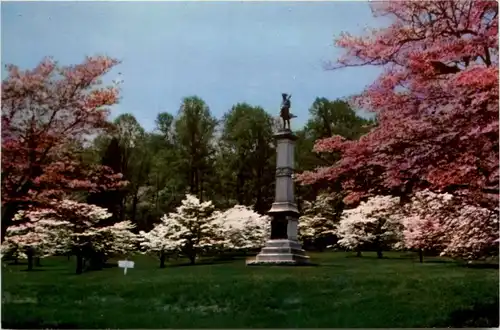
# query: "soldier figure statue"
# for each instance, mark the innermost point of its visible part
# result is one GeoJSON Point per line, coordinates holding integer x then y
{"type": "Point", "coordinates": [285, 111]}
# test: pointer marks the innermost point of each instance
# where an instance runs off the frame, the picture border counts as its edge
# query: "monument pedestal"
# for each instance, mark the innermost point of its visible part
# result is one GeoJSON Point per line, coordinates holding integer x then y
{"type": "Point", "coordinates": [283, 247]}
{"type": "Point", "coordinates": [281, 251]}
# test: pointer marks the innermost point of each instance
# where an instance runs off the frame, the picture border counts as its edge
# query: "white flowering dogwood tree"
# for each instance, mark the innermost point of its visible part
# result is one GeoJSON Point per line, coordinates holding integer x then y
{"type": "Point", "coordinates": [190, 231]}
{"type": "Point", "coordinates": [242, 228]}
{"type": "Point", "coordinates": [319, 223]}
{"type": "Point", "coordinates": [159, 241]}
{"type": "Point", "coordinates": [12, 251]}
{"type": "Point", "coordinates": [33, 235]}
{"type": "Point", "coordinates": [196, 228]}
{"type": "Point", "coordinates": [69, 226]}
{"type": "Point", "coordinates": [371, 223]}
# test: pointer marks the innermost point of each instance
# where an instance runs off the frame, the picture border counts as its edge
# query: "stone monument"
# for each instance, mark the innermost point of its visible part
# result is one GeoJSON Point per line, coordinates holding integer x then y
{"type": "Point", "coordinates": [283, 246]}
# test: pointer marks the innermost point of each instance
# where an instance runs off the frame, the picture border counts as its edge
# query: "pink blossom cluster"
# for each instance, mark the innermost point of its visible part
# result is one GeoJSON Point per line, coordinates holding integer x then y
{"type": "Point", "coordinates": [444, 223]}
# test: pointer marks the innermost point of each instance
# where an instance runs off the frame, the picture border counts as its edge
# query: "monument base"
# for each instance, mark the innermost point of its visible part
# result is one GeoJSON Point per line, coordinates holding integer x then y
{"type": "Point", "coordinates": [279, 252]}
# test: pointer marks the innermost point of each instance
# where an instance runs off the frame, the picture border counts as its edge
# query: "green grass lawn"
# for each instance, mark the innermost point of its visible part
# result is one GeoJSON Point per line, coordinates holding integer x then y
{"type": "Point", "coordinates": [342, 291]}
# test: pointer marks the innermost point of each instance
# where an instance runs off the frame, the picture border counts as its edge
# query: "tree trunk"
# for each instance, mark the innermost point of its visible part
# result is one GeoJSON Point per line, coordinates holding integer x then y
{"type": "Point", "coordinates": [162, 260]}
{"type": "Point", "coordinates": [197, 180]}
{"type": "Point", "coordinates": [358, 253]}
{"type": "Point", "coordinates": [201, 188]}
{"type": "Point", "coordinates": [192, 259]}
{"type": "Point", "coordinates": [37, 262]}
{"type": "Point", "coordinates": [240, 182]}
{"type": "Point", "coordinates": [191, 179]}
{"type": "Point", "coordinates": [258, 184]}
{"type": "Point", "coordinates": [122, 209]}
{"type": "Point", "coordinates": [157, 194]}
{"type": "Point", "coordinates": [379, 254]}
{"type": "Point", "coordinates": [29, 254]}
{"type": "Point", "coordinates": [421, 255]}
{"type": "Point", "coordinates": [79, 262]}
{"type": "Point", "coordinates": [97, 261]}
{"type": "Point", "coordinates": [8, 213]}
{"type": "Point", "coordinates": [135, 201]}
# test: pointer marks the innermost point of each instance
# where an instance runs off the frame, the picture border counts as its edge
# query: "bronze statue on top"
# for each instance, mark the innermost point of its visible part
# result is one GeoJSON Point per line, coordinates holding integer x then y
{"type": "Point", "coordinates": [285, 110]}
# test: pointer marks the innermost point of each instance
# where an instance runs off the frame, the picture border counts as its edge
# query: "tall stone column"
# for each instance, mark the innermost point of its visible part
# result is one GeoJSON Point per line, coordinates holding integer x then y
{"type": "Point", "coordinates": [283, 246]}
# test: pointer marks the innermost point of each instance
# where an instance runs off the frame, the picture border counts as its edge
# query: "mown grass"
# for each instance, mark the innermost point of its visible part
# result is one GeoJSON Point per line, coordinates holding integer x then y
{"type": "Point", "coordinates": [342, 291]}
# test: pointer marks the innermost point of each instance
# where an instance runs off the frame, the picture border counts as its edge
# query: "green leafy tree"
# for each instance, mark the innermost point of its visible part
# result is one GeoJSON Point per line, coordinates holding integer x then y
{"type": "Point", "coordinates": [327, 118]}
{"type": "Point", "coordinates": [194, 130]}
{"type": "Point", "coordinates": [247, 151]}
{"type": "Point", "coordinates": [336, 117]}
{"type": "Point", "coordinates": [136, 161]}
{"type": "Point", "coordinates": [112, 200]}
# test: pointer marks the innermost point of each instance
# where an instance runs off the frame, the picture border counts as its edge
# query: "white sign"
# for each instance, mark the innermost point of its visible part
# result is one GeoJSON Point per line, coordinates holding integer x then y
{"type": "Point", "coordinates": [125, 264]}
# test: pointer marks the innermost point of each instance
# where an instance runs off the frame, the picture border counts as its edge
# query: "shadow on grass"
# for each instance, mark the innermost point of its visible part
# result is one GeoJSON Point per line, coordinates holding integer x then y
{"type": "Point", "coordinates": [480, 315]}
{"type": "Point", "coordinates": [24, 263]}
{"type": "Point", "coordinates": [312, 265]}
{"type": "Point", "coordinates": [37, 324]}
{"type": "Point", "coordinates": [201, 263]}
{"type": "Point", "coordinates": [370, 257]}
{"type": "Point", "coordinates": [320, 264]}
{"type": "Point", "coordinates": [482, 266]}
{"type": "Point", "coordinates": [437, 261]}
{"type": "Point", "coordinates": [19, 263]}
{"type": "Point", "coordinates": [110, 265]}
{"type": "Point", "coordinates": [34, 270]}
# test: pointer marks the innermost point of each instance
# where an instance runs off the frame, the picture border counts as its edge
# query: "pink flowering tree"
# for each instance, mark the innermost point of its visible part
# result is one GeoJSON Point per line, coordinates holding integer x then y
{"type": "Point", "coordinates": [69, 226]}
{"type": "Point", "coordinates": [436, 104]}
{"type": "Point", "coordinates": [371, 223]}
{"type": "Point", "coordinates": [424, 221]}
{"type": "Point", "coordinates": [48, 113]}
{"type": "Point", "coordinates": [445, 224]}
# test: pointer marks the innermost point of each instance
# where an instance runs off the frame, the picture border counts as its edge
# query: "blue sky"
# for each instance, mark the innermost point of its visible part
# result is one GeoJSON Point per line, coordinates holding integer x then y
{"type": "Point", "coordinates": [224, 52]}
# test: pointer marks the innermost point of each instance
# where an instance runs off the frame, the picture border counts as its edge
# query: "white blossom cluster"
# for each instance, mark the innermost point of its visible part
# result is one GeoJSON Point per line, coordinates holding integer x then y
{"type": "Point", "coordinates": [196, 227]}
{"type": "Point", "coordinates": [242, 228]}
{"type": "Point", "coordinates": [319, 219]}
{"type": "Point", "coordinates": [371, 222]}
{"type": "Point", "coordinates": [66, 227]}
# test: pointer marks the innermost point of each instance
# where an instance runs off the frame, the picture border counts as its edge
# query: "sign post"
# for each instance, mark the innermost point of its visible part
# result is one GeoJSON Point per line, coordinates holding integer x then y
{"type": "Point", "coordinates": [125, 264]}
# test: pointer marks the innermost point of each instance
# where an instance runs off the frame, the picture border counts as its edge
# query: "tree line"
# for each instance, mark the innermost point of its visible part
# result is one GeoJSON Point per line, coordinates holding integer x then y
{"type": "Point", "coordinates": [228, 161]}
